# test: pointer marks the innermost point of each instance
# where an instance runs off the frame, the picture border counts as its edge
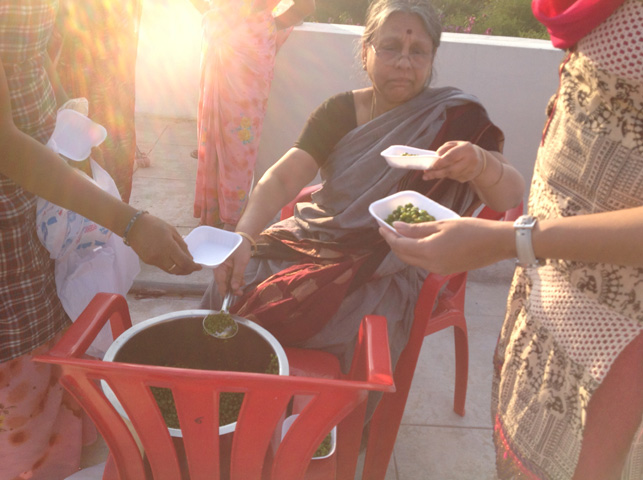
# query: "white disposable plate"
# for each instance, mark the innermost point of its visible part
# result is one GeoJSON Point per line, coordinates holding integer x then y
{"type": "Point", "coordinates": [210, 246]}
{"type": "Point", "coordinates": [415, 158]}
{"type": "Point", "coordinates": [75, 135]}
{"type": "Point", "coordinates": [333, 435]}
{"type": "Point", "coordinates": [381, 209]}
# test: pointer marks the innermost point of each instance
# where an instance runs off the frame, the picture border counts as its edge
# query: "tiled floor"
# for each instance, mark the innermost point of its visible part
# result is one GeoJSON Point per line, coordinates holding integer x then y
{"type": "Point", "coordinates": [433, 442]}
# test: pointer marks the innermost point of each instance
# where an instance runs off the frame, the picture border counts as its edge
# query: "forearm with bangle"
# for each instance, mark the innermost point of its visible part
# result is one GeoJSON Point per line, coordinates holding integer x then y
{"type": "Point", "coordinates": [253, 244]}
{"type": "Point", "coordinates": [485, 162]}
{"type": "Point", "coordinates": [87, 199]}
{"type": "Point", "coordinates": [130, 224]}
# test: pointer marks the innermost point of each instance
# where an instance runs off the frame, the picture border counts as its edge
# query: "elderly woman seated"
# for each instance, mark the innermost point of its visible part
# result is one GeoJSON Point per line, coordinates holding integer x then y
{"type": "Point", "coordinates": [311, 278]}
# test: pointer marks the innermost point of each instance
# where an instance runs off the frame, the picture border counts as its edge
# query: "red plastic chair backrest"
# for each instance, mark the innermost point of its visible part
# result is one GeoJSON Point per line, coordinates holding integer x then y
{"type": "Point", "coordinates": [508, 216]}
{"type": "Point", "coordinates": [450, 289]}
{"type": "Point", "coordinates": [303, 196]}
{"type": "Point", "coordinates": [196, 393]}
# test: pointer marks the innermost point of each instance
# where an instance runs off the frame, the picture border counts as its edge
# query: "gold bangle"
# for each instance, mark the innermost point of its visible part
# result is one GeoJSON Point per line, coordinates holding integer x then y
{"type": "Point", "coordinates": [484, 166]}
{"type": "Point", "coordinates": [484, 161]}
{"type": "Point", "coordinates": [502, 174]}
{"type": "Point", "coordinates": [253, 244]}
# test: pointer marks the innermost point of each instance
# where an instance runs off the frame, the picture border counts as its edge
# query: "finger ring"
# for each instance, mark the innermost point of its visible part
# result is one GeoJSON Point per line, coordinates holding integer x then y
{"type": "Point", "coordinates": [172, 267]}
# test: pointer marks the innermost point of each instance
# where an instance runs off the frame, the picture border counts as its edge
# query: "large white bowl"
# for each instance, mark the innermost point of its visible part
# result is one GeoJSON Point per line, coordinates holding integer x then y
{"type": "Point", "coordinates": [211, 246]}
{"type": "Point", "coordinates": [381, 209]}
{"type": "Point", "coordinates": [415, 158]}
{"type": "Point", "coordinates": [162, 338]}
{"type": "Point", "coordinates": [333, 435]}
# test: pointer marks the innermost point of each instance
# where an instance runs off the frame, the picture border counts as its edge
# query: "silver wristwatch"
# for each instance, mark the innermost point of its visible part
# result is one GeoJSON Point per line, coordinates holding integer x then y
{"type": "Point", "coordinates": [523, 227]}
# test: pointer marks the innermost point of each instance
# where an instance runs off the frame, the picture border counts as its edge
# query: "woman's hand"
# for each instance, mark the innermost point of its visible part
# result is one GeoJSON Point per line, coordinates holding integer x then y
{"type": "Point", "coordinates": [451, 246]}
{"type": "Point", "coordinates": [158, 243]}
{"type": "Point", "coordinates": [498, 184]}
{"type": "Point", "coordinates": [460, 161]}
{"type": "Point", "coordinates": [229, 275]}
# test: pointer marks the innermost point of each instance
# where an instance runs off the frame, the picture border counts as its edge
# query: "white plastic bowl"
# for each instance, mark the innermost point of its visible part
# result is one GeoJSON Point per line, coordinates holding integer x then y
{"type": "Point", "coordinates": [211, 246]}
{"type": "Point", "coordinates": [75, 135]}
{"type": "Point", "coordinates": [415, 158]}
{"type": "Point", "coordinates": [381, 209]}
{"type": "Point", "coordinates": [333, 435]}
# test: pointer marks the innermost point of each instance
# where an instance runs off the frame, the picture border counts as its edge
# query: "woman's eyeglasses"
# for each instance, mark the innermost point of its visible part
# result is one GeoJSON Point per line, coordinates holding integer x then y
{"type": "Point", "coordinates": [392, 55]}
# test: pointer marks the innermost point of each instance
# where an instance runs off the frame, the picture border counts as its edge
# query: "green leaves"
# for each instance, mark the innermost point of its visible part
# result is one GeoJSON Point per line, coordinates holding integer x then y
{"type": "Point", "coordinates": [509, 18]}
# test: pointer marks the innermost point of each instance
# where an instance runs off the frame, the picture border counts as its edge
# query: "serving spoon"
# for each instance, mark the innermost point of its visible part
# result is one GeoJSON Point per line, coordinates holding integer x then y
{"type": "Point", "coordinates": [221, 325]}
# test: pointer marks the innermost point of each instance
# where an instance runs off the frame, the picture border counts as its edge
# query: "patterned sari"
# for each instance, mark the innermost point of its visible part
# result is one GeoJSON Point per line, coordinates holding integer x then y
{"type": "Point", "coordinates": [42, 428]}
{"type": "Point", "coordinates": [319, 272]}
{"type": "Point", "coordinates": [237, 65]}
{"type": "Point", "coordinates": [567, 322]}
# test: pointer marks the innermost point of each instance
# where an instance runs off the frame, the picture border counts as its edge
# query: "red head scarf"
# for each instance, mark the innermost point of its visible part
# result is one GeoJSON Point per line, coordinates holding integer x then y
{"type": "Point", "coordinates": [568, 21]}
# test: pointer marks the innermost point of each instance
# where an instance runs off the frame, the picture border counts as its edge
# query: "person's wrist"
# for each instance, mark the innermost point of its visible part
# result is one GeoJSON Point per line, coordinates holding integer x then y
{"type": "Point", "coordinates": [507, 241]}
{"type": "Point", "coordinates": [130, 225]}
{"type": "Point", "coordinates": [524, 227]}
{"type": "Point", "coordinates": [481, 154]}
{"type": "Point", "coordinates": [250, 240]}
{"type": "Point", "coordinates": [478, 179]}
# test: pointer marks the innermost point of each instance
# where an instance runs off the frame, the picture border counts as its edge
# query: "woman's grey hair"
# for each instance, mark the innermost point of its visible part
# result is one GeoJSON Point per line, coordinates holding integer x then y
{"type": "Point", "coordinates": [380, 10]}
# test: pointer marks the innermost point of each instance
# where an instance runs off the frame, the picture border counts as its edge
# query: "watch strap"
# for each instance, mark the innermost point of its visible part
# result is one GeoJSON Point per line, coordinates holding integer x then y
{"type": "Point", "coordinates": [524, 247]}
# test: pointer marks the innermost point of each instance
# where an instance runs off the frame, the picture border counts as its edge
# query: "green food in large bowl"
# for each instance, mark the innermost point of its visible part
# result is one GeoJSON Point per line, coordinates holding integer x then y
{"type": "Point", "coordinates": [178, 340]}
{"type": "Point", "coordinates": [229, 402]}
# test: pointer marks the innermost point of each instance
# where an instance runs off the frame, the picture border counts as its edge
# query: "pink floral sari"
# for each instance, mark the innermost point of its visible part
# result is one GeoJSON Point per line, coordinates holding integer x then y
{"type": "Point", "coordinates": [42, 429]}
{"type": "Point", "coordinates": [237, 62]}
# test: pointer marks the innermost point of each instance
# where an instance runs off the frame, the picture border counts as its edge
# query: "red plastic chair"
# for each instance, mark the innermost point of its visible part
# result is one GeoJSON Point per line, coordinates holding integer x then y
{"type": "Point", "coordinates": [440, 305]}
{"type": "Point", "coordinates": [449, 292]}
{"type": "Point", "coordinates": [449, 311]}
{"type": "Point", "coordinates": [303, 196]}
{"type": "Point", "coordinates": [333, 401]}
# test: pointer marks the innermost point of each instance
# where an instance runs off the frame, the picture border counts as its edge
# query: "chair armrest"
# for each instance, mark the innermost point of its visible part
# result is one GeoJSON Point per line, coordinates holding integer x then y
{"type": "Point", "coordinates": [372, 357]}
{"type": "Point", "coordinates": [80, 335]}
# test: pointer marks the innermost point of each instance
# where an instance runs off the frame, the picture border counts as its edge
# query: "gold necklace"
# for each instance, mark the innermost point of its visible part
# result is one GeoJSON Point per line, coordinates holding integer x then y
{"type": "Point", "coordinates": [373, 105]}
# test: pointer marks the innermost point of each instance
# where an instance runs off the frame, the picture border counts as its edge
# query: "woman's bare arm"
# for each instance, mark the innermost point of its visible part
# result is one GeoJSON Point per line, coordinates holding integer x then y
{"type": "Point", "coordinates": [470, 243]}
{"type": "Point", "coordinates": [609, 237]}
{"type": "Point", "coordinates": [500, 185]}
{"type": "Point", "coordinates": [278, 186]}
{"type": "Point", "coordinates": [39, 170]}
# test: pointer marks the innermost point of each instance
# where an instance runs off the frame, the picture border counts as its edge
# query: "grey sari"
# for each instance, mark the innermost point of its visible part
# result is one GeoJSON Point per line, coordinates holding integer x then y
{"type": "Point", "coordinates": [354, 176]}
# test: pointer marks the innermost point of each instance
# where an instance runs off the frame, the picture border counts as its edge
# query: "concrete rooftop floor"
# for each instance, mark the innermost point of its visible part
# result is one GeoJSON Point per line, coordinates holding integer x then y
{"type": "Point", "coordinates": [433, 441]}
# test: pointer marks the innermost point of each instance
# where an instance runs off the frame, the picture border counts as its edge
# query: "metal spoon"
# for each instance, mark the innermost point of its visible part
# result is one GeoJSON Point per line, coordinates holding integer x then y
{"type": "Point", "coordinates": [226, 326]}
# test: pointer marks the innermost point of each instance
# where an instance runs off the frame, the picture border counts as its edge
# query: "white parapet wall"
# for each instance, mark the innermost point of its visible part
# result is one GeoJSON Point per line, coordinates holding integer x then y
{"type": "Point", "coordinates": [513, 77]}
